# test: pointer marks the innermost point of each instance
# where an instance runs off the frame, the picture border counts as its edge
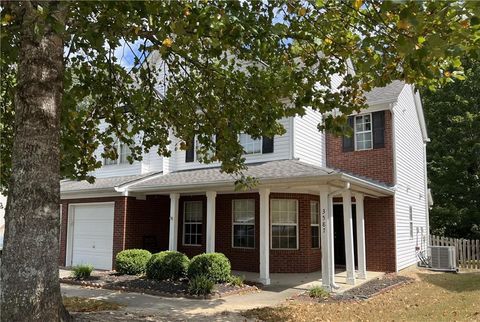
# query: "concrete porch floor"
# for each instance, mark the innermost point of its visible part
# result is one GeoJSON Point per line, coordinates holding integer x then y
{"type": "Point", "coordinates": [305, 281]}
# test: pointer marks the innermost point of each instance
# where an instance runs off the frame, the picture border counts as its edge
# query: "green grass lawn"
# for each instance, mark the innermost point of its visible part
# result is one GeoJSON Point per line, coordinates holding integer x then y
{"type": "Point", "coordinates": [432, 297]}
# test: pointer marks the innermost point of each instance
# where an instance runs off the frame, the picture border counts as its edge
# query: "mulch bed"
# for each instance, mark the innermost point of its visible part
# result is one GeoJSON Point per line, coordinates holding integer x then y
{"type": "Point", "coordinates": [141, 284]}
{"type": "Point", "coordinates": [365, 291]}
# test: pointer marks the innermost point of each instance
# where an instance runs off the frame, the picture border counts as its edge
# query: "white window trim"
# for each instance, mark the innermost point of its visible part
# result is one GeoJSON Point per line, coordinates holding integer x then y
{"type": "Point", "coordinates": [361, 132]}
{"type": "Point", "coordinates": [238, 224]}
{"type": "Point", "coordinates": [191, 222]}
{"type": "Point", "coordinates": [285, 224]}
{"type": "Point", "coordinates": [118, 159]}
{"type": "Point", "coordinates": [315, 225]}
{"type": "Point", "coordinates": [254, 153]}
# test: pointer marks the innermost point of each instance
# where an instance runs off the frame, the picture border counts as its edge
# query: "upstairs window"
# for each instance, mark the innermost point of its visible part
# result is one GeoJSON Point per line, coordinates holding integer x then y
{"type": "Point", "coordinates": [363, 132]}
{"type": "Point", "coordinates": [368, 132]}
{"type": "Point", "coordinates": [250, 145]}
{"type": "Point", "coordinates": [123, 152]}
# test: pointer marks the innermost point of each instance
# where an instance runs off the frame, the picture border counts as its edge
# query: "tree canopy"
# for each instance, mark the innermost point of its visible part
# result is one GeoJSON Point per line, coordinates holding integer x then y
{"type": "Point", "coordinates": [453, 119]}
{"type": "Point", "coordinates": [204, 68]}
{"type": "Point", "coordinates": [227, 67]}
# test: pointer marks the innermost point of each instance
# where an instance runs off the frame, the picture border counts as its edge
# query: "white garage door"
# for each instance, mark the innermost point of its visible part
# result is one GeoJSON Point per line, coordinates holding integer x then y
{"type": "Point", "coordinates": [92, 240]}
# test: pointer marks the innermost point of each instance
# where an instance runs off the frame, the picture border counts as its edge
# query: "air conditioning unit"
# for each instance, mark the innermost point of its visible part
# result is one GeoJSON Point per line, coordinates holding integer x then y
{"type": "Point", "coordinates": [443, 258]}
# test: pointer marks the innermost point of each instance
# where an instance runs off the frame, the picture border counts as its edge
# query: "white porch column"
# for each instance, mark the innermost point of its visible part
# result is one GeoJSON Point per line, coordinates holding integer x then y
{"type": "Point", "coordinates": [211, 196]}
{"type": "Point", "coordinates": [325, 237]}
{"type": "Point", "coordinates": [348, 229]}
{"type": "Point", "coordinates": [173, 235]}
{"type": "Point", "coordinates": [265, 236]}
{"type": "Point", "coordinates": [360, 216]}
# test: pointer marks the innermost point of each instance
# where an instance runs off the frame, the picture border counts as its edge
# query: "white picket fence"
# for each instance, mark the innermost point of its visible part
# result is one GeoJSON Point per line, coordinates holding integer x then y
{"type": "Point", "coordinates": [467, 250]}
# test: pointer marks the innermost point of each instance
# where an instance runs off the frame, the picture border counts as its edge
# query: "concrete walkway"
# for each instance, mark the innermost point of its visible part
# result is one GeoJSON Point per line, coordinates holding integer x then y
{"type": "Point", "coordinates": [283, 287]}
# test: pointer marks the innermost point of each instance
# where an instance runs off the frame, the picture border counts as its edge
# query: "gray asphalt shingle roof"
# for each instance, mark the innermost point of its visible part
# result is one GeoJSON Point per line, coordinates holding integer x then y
{"type": "Point", "coordinates": [100, 183]}
{"type": "Point", "coordinates": [266, 170]}
{"type": "Point", "coordinates": [388, 93]}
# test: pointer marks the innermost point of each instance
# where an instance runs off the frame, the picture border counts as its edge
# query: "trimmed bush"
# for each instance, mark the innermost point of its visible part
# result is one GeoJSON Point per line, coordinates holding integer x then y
{"type": "Point", "coordinates": [167, 265]}
{"type": "Point", "coordinates": [200, 285]}
{"type": "Point", "coordinates": [215, 266]}
{"type": "Point", "coordinates": [132, 261]}
{"type": "Point", "coordinates": [82, 271]}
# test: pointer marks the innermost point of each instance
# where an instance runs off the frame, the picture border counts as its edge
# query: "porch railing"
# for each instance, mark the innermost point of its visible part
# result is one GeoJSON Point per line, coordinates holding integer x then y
{"type": "Point", "coordinates": [467, 250]}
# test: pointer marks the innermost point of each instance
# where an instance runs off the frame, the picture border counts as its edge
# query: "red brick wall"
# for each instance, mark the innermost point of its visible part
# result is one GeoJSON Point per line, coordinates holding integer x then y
{"type": "Point", "coordinates": [305, 258]}
{"type": "Point", "coordinates": [242, 259]}
{"type": "Point", "coordinates": [376, 164]}
{"type": "Point", "coordinates": [148, 218]}
{"type": "Point", "coordinates": [380, 234]}
{"type": "Point", "coordinates": [191, 251]}
{"type": "Point", "coordinates": [151, 217]}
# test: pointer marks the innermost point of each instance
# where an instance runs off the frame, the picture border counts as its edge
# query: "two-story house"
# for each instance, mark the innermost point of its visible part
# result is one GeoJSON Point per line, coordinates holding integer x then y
{"type": "Point", "coordinates": [321, 201]}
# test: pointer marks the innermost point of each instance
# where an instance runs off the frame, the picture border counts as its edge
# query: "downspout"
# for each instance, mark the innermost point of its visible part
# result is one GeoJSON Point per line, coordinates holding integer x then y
{"type": "Point", "coordinates": [330, 207]}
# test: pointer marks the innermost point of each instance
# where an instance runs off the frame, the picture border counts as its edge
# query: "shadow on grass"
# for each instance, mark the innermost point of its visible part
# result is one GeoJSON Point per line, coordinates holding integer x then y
{"type": "Point", "coordinates": [463, 282]}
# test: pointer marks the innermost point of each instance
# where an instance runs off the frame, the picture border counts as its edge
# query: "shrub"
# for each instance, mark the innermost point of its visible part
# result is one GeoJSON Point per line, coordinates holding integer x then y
{"type": "Point", "coordinates": [132, 261]}
{"type": "Point", "coordinates": [167, 265]}
{"type": "Point", "coordinates": [236, 280]}
{"type": "Point", "coordinates": [215, 266]}
{"type": "Point", "coordinates": [82, 271]}
{"type": "Point", "coordinates": [318, 292]}
{"type": "Point", "coordinates": [200, 285]}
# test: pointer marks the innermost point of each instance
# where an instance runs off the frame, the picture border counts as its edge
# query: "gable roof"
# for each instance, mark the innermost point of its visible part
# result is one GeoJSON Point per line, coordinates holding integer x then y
{"type": "Point", "coordinates": [387, 94]}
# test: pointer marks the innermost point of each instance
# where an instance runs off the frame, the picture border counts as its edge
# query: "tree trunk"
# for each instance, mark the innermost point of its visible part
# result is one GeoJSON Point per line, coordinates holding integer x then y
{"type": "Point", "coordinates": [30, 287]}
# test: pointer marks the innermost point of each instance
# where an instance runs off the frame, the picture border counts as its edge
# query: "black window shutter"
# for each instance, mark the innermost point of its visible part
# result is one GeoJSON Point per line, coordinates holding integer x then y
{"type": "Point", "coordinates": [378, 119]}
{"type": "Point", "coordinates": [349, 142]}
{"type": "Point", "coordinates": [190, 153]}
{"type": "Point", "coordinates": [267, 145]}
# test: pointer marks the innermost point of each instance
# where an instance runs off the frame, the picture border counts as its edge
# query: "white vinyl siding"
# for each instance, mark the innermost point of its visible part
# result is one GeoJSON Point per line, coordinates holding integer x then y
{"type": "Point", "coordinates": [284, 223]}
{"type": "Point", "coordinates": [281, 151]}
{"type": "Point", "coordinates": [243, 225]}
{"type": "Point", "coordinates": [123, 169]}
{"type": "Point", "coordinates": [308, 142]}
{"type": "Point", "coordinates": [192, 223]}
{"type": "Point", "coordinates": [410, 179]}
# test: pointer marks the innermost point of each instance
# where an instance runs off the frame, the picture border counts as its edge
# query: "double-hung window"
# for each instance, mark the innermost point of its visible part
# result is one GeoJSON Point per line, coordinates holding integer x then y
{"type": "Point", "coordinates": [284, 223]}
{"type": "Point", "coordinates": [122, 151]}
{"type": "Point", "coordinates": [243, 213]}
{"type": "Point", "coordinates": [250, 145]}
{"type": "Point", "coordinates": [315, 224]}
{"type": "Point", "coordinates": [363, 132]}
{"type": "Point", "coordinates": [192, 222]}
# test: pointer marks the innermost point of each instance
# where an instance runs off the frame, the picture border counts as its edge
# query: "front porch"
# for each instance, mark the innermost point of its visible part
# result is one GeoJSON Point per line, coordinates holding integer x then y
{"type": "Point", "coordinates": [300, 282]}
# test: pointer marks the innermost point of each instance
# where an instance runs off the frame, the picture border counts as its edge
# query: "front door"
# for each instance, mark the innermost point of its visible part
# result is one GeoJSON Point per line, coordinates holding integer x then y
{"type": "Point", "coordinates": [339, 234]}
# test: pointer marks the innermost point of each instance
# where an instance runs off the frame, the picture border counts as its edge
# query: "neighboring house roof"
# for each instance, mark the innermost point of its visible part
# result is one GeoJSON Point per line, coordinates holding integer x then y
{"type": "Point", "coordinates": [272, 172]}
{"type": "Point", "coordinates": [387, 94]}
